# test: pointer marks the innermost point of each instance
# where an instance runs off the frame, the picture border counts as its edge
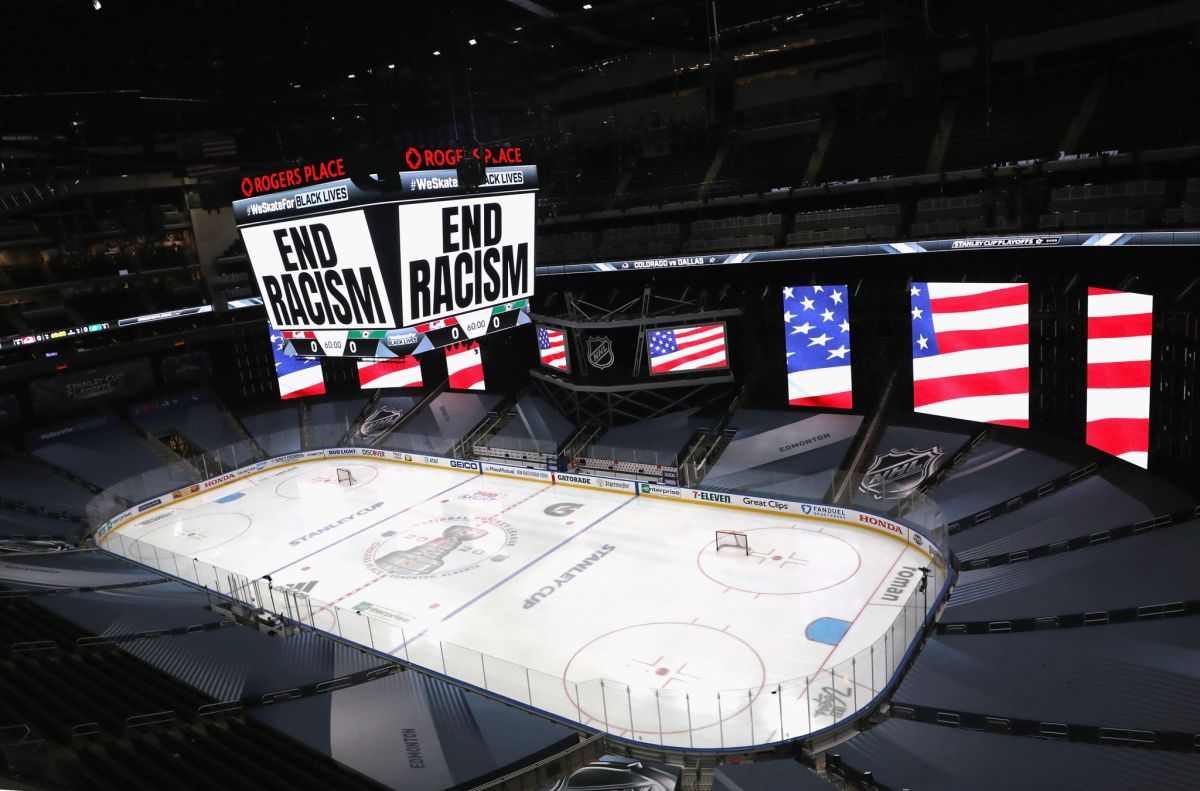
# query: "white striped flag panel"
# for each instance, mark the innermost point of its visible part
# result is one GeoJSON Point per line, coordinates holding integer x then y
{"type": "Point", "coordinates": [970, 345]}
{"type": "Point", "coordinates": [1120, 326]}
{"type": "Point", "coordinates": [465, 366]}
{"type": "Point", "coordinates": [817, 339]}
{"type": "Point", "coordinates": [552, 348]}
{"type": "Point", "coordinates": [687, 349]}
{"type": "Point", "coordinates": [298, 376]}
{"type": "Point", "coordinates": [389, 372]}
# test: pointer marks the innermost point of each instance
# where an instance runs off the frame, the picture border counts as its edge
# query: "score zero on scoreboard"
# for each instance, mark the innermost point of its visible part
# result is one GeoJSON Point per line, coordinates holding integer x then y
{"type": "Point", "coordinates": [409, 340]}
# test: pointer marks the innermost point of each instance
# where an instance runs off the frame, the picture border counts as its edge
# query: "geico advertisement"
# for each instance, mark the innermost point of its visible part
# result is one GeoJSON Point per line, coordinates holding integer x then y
{"type": "Point", "coordinates": [463, 254]}
{"type": "Point", "coordinates": [319, 273]}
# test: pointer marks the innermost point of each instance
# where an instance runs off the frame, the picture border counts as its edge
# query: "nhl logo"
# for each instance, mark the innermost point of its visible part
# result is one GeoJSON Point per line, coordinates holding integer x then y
{"type": "Point", "coordinates": [600, 352]}
{"type": "Point", "coordinates": [898, 473]}
{"type": "Point", "coordinates": [380, 422]}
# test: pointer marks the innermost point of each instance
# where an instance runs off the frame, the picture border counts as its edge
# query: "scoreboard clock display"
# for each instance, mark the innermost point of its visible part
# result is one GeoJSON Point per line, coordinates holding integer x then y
{"type": "Point", "coordinates": [409, 340]}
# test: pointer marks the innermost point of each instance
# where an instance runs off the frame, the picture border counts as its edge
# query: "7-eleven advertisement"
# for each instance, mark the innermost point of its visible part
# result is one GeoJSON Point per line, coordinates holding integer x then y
{"type": "Point", "coordinates": [389, 372]}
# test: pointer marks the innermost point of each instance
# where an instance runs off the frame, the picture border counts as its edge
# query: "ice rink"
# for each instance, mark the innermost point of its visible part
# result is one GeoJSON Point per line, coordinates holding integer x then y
{"type": "Point", "coordinates": [574, 584]}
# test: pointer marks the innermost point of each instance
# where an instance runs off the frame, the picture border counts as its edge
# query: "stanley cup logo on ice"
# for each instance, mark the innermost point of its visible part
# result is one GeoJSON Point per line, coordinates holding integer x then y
{"type": "Point", "coordinates": [896, 473]}
{"type": "Point", "coordinates": [429, 557]}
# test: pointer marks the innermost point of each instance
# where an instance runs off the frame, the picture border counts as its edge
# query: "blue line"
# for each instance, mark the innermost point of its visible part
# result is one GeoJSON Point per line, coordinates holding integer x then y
{"type": "Point", "coordinates": [538, 559]}
{"type": "Point", "coordinates": [368, 527]}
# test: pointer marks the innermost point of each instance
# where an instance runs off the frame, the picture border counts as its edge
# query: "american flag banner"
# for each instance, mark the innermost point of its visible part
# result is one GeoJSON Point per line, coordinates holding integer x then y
{"type": "Point", "coordinates": [817, 339]}
{"type": "Point", "coordinates": [687, 349]}
{"type": "Point", "coordinates": [390, 372]}
{"type": "Point", "coordinates": [298, 376]}
{"type": "Point", "coordinates": [465, 366]}
{"type": "Point", "coordinates": [1120, 326]}
{"type": "Point", "coordinates": [970, 344]}
{"type": "Point", "coordinates": [552, 347]}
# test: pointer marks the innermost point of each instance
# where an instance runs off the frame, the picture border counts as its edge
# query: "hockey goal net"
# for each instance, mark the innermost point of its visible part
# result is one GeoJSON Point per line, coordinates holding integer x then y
{"type": "Point", "coordinates": [728, 539]}
{"type": "Point", "coordinates": [345, 476]}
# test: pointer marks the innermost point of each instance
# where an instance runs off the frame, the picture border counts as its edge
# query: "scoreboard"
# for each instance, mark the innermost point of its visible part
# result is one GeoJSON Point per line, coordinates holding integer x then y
{"type": "Point", "coordinates": [403, 342]}
{"type": "Point", "coordinates": [368, 267]}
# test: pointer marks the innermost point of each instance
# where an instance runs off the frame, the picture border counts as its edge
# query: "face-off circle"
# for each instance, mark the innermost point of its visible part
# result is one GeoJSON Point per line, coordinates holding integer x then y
{"type": "Point", "coordinates": [783, 561]}
{"type": "Point", "coordinates": [195, 535]}
{"type": "Point", "coordinates": [317, 483]}
{"type": "Point", "coordinates": [443, 547]}
{"type": "Point", "coordinates": [662, 662]}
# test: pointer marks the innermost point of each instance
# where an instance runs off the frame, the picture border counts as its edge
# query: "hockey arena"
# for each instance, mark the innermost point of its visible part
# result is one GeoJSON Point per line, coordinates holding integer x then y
{"type": "Point", "coordinates": [483, 577]}
{"type": "Point", "coordinates": [642, 395]}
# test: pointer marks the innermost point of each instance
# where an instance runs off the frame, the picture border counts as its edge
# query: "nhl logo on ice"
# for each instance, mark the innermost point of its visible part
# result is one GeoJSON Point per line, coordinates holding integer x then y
{"type": "Point", "coordinates": [899, 472]}
{"type": "Point", "coordinates": [562, 509]}
{"type": "Point", "coordinates": [600, 352]}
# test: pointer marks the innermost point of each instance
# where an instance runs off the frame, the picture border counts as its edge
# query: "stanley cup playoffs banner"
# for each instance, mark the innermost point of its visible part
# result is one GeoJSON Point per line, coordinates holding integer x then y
{"type": "Point", "coordinates": [86, 388]}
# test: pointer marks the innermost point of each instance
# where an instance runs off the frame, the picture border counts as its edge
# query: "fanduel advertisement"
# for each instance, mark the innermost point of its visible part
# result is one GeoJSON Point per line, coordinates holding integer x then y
{"type": "Point", "coordinates": [464, 254]}
{"type": "Point", "coordinates": [320, 273]}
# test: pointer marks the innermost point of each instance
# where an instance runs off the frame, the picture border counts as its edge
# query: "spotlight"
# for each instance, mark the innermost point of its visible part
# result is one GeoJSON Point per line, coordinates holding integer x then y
{"type": "Point", "coordinates": [471, 42]}
{"type": "Point", "coordinates": [437, 52]}
{"type": "Point", "coordinates": [96, 4]}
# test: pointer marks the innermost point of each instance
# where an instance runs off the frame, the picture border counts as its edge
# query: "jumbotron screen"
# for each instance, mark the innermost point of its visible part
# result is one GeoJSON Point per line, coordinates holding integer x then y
{"type": "Point", "coordinates": [335, 255]}
{"type": "Point", "coordinates": [970, 347]}
{"type": "Point", "coordinates": [1120, 330]}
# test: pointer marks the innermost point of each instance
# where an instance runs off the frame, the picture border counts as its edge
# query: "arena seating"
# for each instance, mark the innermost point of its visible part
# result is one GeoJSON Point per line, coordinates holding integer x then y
{"type": "Point", "coordinates": [276, 430]}
{"type": "Point", "coordinates": [1153, 572]}
{"type": "Point", "coordinates": [533, 426]}
{"type": "Point", "coordinates": [1013, 472]}
{"type": "Point", "coordinates": [655, 442]}
{"type": "Point", "coordinates": [183, 658]}
{"type": "Point", "coordinates": [109, 455]}
{"type": "Point", "coordinates": [140, 729]}
{"type": "Point", "coordinates": [1093, 676]}
{"type": "Point", "coordinates": [751, 462]}
{"type": "Point", "coordinates": [332, 417]}
{"type": "Point", "coordinates": [442, 425]}
{"type": "Point", "coordinates": [37, 487]}
{"type": "Point", "coordinates": [913, 755]}
{"type": "Point", "coordinates": [1119, 496]}
{"type": "Point", "coordinates": [768, 776]}
{"type": "Point", "coordinates": [191, 413]}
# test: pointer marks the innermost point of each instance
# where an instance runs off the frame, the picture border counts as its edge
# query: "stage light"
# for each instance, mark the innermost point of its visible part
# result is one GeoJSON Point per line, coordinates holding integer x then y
{"type": "Point", "coordinates": [437, 52]}
{"type": "Point", "coordinates": [96, 4]}
{"type": "Point", "coordinates": [351, 76]}
{"type": "Point", "coordinates": [391, 65]}
{"type": "Point", "coordinates": [587, 6]}
{"type": "Point", "coordinates": [471, 42]}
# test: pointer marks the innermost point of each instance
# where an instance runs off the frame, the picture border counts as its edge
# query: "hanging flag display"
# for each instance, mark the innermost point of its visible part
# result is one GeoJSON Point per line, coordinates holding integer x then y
{"type": "Point", "coordinates": [684, 349]}
{"type": "Point", "coordinates": [552, 348]}
{"type": "Point", "coordinates": [971, 351]}
{"type": "Point", "coordinates": [298, 376]}
{"type": "Point", "coordinates": [817, 339]}
{"type": "Point", "coordinates": [389, 372]}
{"type": "Point", "coordinates": [1120, 326]}
{"type": "Point", "coordinates": [465, 366]}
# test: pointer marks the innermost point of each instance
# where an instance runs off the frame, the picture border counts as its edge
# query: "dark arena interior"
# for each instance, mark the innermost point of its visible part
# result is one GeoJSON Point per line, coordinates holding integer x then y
{"type": "Point", "coordinates": [460, 396]}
